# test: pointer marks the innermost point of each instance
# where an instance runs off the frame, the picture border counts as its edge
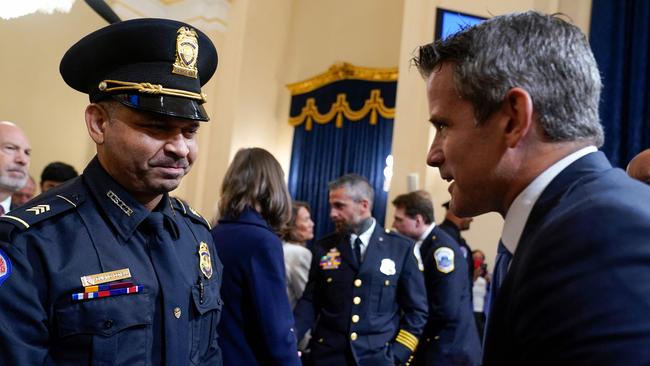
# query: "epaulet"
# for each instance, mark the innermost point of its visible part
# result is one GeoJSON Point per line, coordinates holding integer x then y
{"type": "Point", "coordinates": [41, 209]}
{"type": "Point", "coordinates": [187, 210]}
{"type": "Point", "coordinates": [395, 234]}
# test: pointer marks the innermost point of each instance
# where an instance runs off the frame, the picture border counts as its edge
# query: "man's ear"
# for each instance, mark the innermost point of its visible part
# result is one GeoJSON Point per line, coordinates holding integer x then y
{"type": "Point", "coordinates": [96, 119]}
{"type": "Point", "coordinates": [518, 107]}
{"type": "Point", "coordinates": [419, 220]}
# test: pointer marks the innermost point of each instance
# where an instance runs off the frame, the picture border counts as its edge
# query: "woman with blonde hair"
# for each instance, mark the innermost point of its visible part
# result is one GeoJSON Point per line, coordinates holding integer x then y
{"type": "Point", "coordinates": [256, 325]}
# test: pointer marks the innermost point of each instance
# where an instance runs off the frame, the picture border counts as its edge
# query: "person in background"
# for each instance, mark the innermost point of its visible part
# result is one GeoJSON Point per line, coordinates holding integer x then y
{"type": "Point", "coordinates": [24, 194]}
{"type": "Point", "coordinates": [297, 258]}
{"type": "Point", "coordinates": [257, 323]}
{"type": "Point", "coordinates": [364, 287]}
{"type": "Point", "coordinates": [479, 290]}
{"type": "Point", "coordinates": [514, 101]}
{"type": "Point", "coordinates": [639, 167]}
{"type": "Point", "coordinates": [453, 225]}
{"type": "Point", "coordinates": [56, 173]}
{"type": "Point", "coordinates": [450, 337]}
{"type": "Point", "coordinates": [15, 153]}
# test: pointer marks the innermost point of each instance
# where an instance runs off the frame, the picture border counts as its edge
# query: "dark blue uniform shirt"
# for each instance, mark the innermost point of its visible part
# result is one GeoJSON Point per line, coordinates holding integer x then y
{"type": "Point", "coordinates": [91, 226]}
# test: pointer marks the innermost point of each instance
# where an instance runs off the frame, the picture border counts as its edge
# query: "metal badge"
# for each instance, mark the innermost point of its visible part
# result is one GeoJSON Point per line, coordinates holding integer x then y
{"type": "Point", "coordinates": [205, 263]}
{"type": "Point", "coordinates": [387, 267]}
{"type": "Point", "coordinates": [99, 278]}
{"type": "Point", "coordinates": [187, 53]}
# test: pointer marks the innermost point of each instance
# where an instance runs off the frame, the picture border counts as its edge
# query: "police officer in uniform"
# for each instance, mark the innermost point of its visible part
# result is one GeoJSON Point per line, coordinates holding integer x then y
{"type": "Point", "coordinates": [450, 337]}
{"type": "Point", "coordinates": [108, 269]}
{"type": "Point", "coordinates": [364, 287]}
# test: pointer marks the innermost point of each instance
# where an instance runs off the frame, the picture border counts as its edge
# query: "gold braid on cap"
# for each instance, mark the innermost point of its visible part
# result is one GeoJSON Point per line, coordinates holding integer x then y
{"type": "Point", "coordinates": [148, 88]}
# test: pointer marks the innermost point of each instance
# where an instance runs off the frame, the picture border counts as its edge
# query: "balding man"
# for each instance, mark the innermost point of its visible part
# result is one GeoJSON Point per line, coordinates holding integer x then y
{"type": "Point", "coordinates": [14, 162]}
{"type": "Point", "coordinates": [639, 167]}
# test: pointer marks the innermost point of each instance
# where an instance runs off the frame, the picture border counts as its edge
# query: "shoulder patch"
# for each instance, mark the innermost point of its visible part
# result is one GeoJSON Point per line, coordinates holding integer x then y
{"type": "Point", "coordinates": [40, 210]}
{"type": "Point", "coordinates": [5, 266]}
{"type": "Point", "coordinates": [187, 210]}
{"type": "Point", "coordinates": [444, 258]}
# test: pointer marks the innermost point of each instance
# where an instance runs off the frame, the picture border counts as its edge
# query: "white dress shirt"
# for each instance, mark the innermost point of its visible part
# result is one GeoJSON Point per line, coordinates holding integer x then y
{"type": "Point", "coordinates": [521, 207]}
{"type": "Point", "coordinates": [365, 238]}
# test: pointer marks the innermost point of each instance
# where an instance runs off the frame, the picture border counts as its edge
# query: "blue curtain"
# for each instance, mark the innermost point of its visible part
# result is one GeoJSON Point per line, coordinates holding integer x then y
{"type": "Point", "coordinates": [620, 41]}
{"type": "Point", "coordinates": [323, 151]}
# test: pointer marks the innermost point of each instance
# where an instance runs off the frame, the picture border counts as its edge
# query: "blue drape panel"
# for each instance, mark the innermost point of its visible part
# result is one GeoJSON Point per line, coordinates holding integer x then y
{"type": "Point", "coordinates": [620, 41]}
{"type": "Point", "coordinates": [327, 152]}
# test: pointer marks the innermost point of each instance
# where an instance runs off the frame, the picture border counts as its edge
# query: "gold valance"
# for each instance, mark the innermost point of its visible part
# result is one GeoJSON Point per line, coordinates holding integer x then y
{"type": "Point", "coordinates": [343, 71]}
{"type": "Point", "coordinates": [373, 105]}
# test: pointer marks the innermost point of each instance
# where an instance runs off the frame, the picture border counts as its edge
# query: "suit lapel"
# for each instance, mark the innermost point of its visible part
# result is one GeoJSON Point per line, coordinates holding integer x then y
{"type": "Point", "coordinates": [579, 171]}
{"type": "Point", "coordinates": [374, 249]}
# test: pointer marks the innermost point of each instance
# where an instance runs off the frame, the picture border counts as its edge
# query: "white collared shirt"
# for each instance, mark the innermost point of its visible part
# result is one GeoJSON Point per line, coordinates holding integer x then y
{"type": "Point", "coordinates": [418, 244]}
{"type": "Point", "coordinates": [6, 204]}
{"type": "Point", "coordinates": [365, 238]}
{"type": "Point", "coordinates": [521, 207]}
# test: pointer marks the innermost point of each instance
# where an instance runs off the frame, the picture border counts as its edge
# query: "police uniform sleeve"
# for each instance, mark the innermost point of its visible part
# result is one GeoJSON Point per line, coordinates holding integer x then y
{"type": "Point", "coordinates": [24, 321]}
{"type": "Point", "coordinates": [447, 283]}
{"type": "Point", "coordinates": [412, 299]}
{"type": "Point", "coordinates": [306, 308]}
{"type": "Point", "coordinates": [272, 304]}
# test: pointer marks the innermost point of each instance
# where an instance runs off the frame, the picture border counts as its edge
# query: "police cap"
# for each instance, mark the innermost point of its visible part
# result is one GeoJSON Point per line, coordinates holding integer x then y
{"type": "Point", "coordinates": [155, 65]}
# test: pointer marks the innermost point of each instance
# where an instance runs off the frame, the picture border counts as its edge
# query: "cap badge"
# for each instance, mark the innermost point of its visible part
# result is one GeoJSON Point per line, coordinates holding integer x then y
{"type": "Point", "coordinates": [205, 264]}
{"type": "Point", "coordinates": [187, 52]}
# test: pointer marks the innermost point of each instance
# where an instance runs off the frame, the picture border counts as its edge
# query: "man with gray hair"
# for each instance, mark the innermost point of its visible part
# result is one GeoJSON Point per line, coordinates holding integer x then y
{"type": "Point", "coordinates": [15, 153]}
{"type": "Point", "coordinates": [364, 287]}
{"type": "Point", "coordinates": [514, 101]}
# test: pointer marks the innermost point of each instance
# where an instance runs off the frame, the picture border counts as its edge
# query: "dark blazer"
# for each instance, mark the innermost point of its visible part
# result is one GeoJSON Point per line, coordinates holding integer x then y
{"type": "Point", "coordinates": [578, 288]}
{"type": "Point", "coordinates": [450, 337]}
{"type": "Point", "coordinates": [256, 327]}
{"type": "Point", "coordinates": [372, 315]}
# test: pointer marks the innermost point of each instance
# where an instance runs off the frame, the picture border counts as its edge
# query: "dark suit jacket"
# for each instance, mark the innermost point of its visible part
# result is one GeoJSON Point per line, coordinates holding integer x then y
{"type": "Point", "coordinates": [256, 326]}
{"type": "Point", "coordinates": [578, 288]}
{"type": "Point", "coordinates": [365, 315]}
{"type": "Point", "coordinates": [450, 337]}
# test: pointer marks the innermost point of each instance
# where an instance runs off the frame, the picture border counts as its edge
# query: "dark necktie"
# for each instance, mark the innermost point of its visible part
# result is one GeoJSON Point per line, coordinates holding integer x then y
{"type": "Point", "coordinates": [500, 270]}
{"type": "Point", "coordinates": [2, 210]}
{"type": "Point", "coordinates": [175, 300]}
{"type": "Point", "coordinates": [357, 250]}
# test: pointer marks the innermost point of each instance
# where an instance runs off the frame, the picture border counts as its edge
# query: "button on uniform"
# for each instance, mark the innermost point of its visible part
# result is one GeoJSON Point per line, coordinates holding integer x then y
{"type": "Point", "coordinates": [353, 336]}
{"type": "Point", "coordinates": [177, 312]}
{"type": "Point", "coordinates": [356, 300]}
{"type": "Point", "coordinates": [357, 283]}
{"type": "Point", "coordinates": [355, 318]}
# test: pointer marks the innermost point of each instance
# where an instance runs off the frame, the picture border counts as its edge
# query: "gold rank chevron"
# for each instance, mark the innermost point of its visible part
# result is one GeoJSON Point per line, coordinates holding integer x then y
{"type": "Point", "coordinates": [37, 210]}
{"type": "Point", "coordinates": [407, 339]}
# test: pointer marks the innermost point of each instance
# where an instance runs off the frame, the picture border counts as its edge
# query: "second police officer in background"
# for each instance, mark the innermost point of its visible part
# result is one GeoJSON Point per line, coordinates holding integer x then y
{"type": "Point", "coordinates": [450, 337]}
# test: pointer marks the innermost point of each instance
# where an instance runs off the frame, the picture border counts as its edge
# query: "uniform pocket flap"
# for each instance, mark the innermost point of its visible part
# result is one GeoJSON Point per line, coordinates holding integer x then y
{"type": "Point", "coordinates": [208, 298]}
{"type": "Point", "coordinates": [104, 316]}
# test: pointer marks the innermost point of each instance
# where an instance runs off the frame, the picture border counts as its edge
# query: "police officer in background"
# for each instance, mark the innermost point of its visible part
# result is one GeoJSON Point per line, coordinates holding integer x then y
{"type": "Point", "coordinates": [450, 337]}
{"type": "Point", "coordinates": [108, 268]}
{"type": "Point", "coordinates": [453, 225]}
{"type": "Point", "coordinates": [364, 287]}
